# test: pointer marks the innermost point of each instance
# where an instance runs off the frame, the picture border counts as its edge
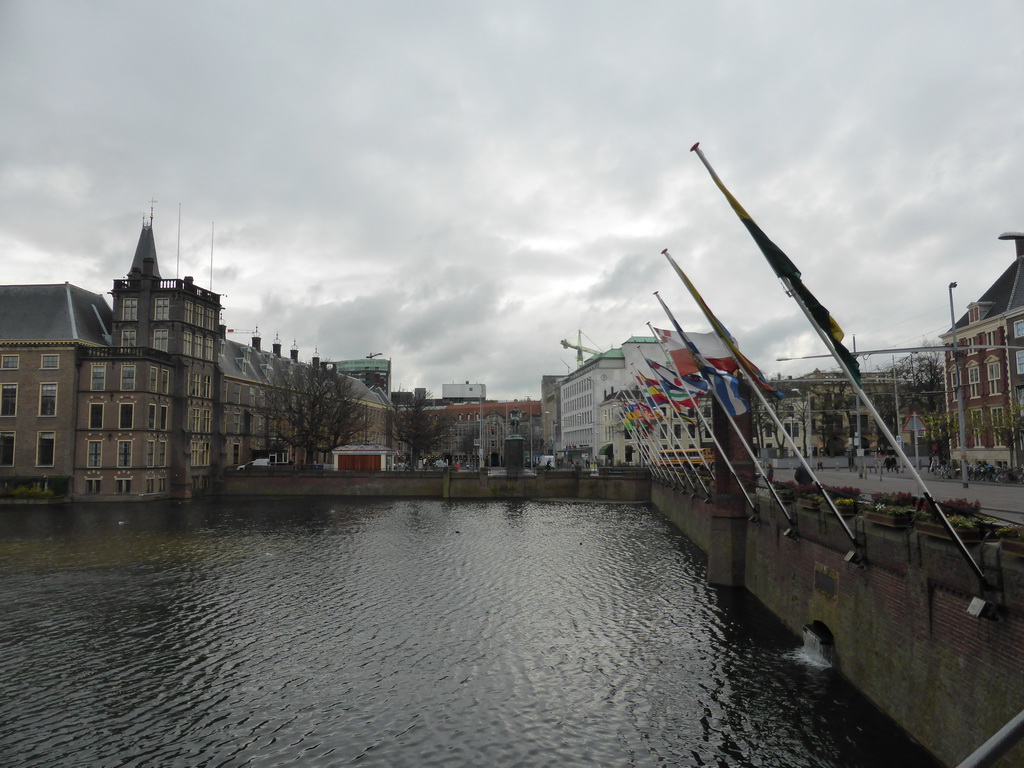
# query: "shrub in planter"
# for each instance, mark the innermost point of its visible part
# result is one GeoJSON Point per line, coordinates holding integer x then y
{"type": "Point", "coordinates": [894, 499]}
{"type": "Point", "coordinates": [843, 492]}
{"type": "Point", "coordinates": [960, 507]}
{"type": "Point", "coordinates": [846, 506]}
{"type": "Point", "coordinates": [1010, 531]}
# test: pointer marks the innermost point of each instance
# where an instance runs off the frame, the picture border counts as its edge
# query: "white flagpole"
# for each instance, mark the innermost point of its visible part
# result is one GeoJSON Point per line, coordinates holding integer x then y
{"type": "Point", "coordinates": [703, 422]}
{"type": "Point", "coordinates": [670, 436]}
{"type": "Point", "coordinates": [643, 445]}
{"type": "Point", "coordinates": [861, 395]}
{"type": "Point", "coordinates": [702, 363]}
{"type": "Point", "coordinates": [697, 411]}
{"type": "Point", "coordinates": [764, 402]}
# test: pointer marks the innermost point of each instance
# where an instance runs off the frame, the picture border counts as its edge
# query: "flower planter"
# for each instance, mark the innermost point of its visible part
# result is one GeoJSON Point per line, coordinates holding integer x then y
{"type": "Point", "coordinates": [890, 521]}
{"type": "Point", "coordinates": [1012, 546]}
{"type": "Point", "coordinates": [811, 505]}
{"type": "Point", "coordinates": [938, 530]}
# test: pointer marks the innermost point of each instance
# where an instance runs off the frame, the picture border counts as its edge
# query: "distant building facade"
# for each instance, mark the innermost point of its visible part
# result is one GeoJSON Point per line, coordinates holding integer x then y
{"type": "Point", "coordinates": [991, 375]}
{"type": "Point", "coordinates": [146, 399]}
{"type": "Point", "coordinates": [582, 392]}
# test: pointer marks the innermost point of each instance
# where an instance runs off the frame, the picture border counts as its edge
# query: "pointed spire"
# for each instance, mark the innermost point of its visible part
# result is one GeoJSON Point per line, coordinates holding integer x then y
{"type": "Point", "coordinates": [145, 262]}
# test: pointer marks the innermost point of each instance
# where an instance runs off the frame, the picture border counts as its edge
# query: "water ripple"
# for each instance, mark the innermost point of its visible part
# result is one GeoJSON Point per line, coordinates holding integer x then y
{"type": "Point", "coordinates": [325, 633]}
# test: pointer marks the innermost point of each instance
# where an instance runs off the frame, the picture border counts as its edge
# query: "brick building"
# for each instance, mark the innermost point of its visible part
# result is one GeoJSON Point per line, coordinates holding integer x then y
{"type": "Point", "coordinates": [992, 368]}
{"type": "Point", "coordinates": [144, 400]}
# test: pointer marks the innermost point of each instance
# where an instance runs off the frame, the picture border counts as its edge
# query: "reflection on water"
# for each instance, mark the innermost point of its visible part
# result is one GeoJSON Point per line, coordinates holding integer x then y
{"type": "Point", "coordinates": [321, 632]}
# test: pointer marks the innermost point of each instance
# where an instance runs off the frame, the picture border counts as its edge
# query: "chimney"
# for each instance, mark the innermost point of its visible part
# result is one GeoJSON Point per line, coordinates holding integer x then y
{"type": "Point", "coordinates": [256, 343]}
{"type": "Point", "coordinates": [315, 362]}
{"type": "Point", "coordinates": [1018, 238]}
{"type": "Point", "coordinates": [295, 354]}
{"type": "Point", "coordinates": [277, 348]}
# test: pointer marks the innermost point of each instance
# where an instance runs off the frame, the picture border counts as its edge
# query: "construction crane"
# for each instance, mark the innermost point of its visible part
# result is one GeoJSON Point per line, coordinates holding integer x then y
{"type": "Point", "coordinates": [580, 349]}
{"type": "Point", "coordinates": [373, 355]}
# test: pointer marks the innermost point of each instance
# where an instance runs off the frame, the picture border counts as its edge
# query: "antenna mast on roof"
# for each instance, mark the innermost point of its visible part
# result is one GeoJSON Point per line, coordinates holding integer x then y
{"type": "Point", "coordinates": [177, 263]}
{"type": "Point", "coordinates": [151, 204]}
{"type": "Point", "coordinates": [211, 255]}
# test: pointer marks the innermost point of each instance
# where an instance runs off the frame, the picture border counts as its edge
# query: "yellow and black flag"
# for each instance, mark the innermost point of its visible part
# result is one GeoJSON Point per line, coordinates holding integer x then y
{"type": "Point", "coordinates": [786, 270]}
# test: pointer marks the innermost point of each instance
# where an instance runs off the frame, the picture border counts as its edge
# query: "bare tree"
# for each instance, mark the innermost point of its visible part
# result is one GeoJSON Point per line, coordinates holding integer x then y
{"type": "Point", "coordinates": [420, 426]}
{"type": "Point", "coordinates": [314, 408]}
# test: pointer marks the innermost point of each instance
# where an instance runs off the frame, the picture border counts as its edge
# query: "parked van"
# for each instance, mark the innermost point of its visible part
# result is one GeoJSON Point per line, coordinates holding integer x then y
{"type": "Point", "coordinates": [264, 462]}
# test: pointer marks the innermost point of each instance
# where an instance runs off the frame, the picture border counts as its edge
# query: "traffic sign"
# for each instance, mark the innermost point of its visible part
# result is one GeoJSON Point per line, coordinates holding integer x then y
{"type": "Point", "coordinates": [914, 424]}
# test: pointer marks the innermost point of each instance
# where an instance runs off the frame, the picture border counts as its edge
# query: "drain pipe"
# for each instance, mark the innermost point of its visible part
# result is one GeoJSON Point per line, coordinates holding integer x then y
{"type": "Point", "coordinates": [1001, 742]}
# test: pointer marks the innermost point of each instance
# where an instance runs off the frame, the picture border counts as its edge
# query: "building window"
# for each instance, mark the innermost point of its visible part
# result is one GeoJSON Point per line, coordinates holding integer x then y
{"type": "Point", "coordinates": [149, 485]}
{"type": "Point", "coordinates": [163, 417]}
{"type": "Point", "coordinates": [129, 309]}
{"type": "Point", "coordinates": [6, 449]}
{"type": "Point", "coordinates": [126, 418]}
{"type": "Point", "coordinates": [94, 454]}
{"type": "Point", "coordinates": [994, 378]}
{"type": "Point", "coordinates": [128, 337]}
{"type": "Point", "coordinates": [189, 306]}
{"type": "Point", "coordinates": [197, 346]}
{"type": "Point", "coordinates": [50, 361]}
{"type": "Point", "coordinates": [128, 378]}
{"type": "Point", "coordinates": [165, 380]}
{"type": "Point", "coordinates": [1018, 328]}
{"type": "Point", "coordinates": [152, 378]}
{"type": "Point", "coordinates": [208, 347]}
{"type": "Point", "coordinates": [161, 484]}
{"type": "Point", "coordinates": [124, 453]}
{"type": "Point", "coordinates": [207, 420]}
{"type": "Point", "coordinates": [974, 380]}
{"type": "Point", "coordinates": [123, 487]}
{"type": "Point", "coordinates": [160, 339]}
{"type": "Point", "coordinates": [99, 378]}
{"type": "Point", "coordinates": [47, 399]}
{"type": "Point", "coordinates": [92, 485]}
{"type": "Point", "coordinates": [95, 415]}
{"type": "Point", "coordinates": [186, 343]}
{"type": "Point", "coordinates": [151, 416]}
{"type": "Point", "coordinates": [9, 400]}
{"type": "Point", "coordinates": [44, 449]}
{"type": "Point", "coordinates": [161, 453]}
{"type": "Point", "coordinates": [9, 362]}
{"type": "Point", "coordinates": [150, 452]}
{"type": "Point", "coordinates": [995, 416]}
{"type": "Point", "coordinates": [162, 308]}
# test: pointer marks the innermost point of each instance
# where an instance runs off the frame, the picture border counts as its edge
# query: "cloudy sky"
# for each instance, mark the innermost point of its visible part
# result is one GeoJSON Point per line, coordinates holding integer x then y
{"type": "Point", "coordinates": [461, 185]}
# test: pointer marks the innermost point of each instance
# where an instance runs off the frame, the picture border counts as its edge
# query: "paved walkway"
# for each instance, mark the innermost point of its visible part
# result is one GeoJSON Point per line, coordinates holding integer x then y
{"type": "Point", "coordinates": [1002, 500]}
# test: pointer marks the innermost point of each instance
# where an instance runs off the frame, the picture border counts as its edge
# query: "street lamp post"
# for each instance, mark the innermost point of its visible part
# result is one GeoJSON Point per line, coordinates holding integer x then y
{"type": "Point", "coordinates": [959, 393]}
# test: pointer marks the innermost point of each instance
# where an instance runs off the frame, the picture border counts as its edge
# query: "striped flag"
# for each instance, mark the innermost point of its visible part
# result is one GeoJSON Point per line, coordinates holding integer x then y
{"type": "Point", "coordinates": [786, 270]}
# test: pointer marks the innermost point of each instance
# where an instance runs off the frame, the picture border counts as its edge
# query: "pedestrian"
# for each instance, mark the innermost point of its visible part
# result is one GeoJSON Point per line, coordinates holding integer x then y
{"type": "Point", "coordinates": [802, 476]}
{"type": "Point", "coordinates": [770, 472]}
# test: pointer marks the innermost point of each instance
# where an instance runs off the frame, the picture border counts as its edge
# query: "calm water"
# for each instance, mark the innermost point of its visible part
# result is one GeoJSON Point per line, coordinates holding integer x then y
{"type": "Point", "coordinates": [412, 633]}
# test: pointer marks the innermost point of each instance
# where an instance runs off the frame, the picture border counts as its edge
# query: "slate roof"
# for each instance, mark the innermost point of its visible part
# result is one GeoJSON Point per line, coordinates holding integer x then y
{"type": "Point", "coordinates": [145, 251]}
{"type": "Point", "coordinates": [1007, 292]}
{"type": "Point", "coordinates": [59, 312]}
{"type": "Point", "coordinates": [241, 361]}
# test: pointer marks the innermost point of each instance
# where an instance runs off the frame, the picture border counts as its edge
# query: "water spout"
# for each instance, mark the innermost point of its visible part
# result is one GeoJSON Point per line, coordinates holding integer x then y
{"type": "Point", "coordinates": [819, 644]}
